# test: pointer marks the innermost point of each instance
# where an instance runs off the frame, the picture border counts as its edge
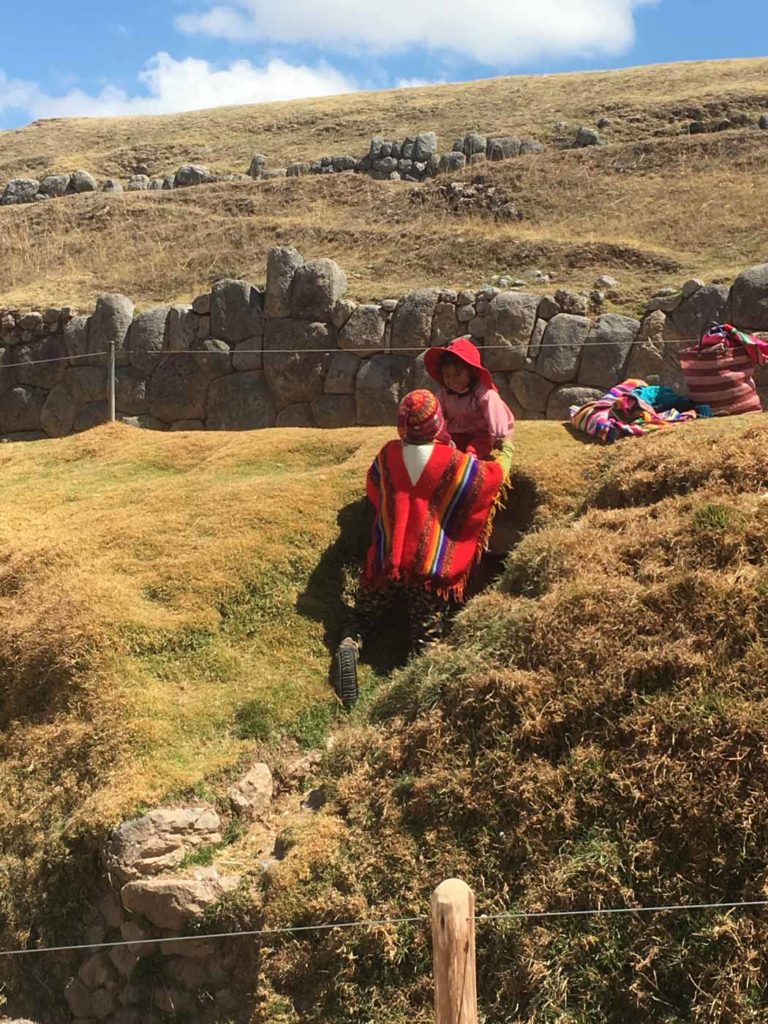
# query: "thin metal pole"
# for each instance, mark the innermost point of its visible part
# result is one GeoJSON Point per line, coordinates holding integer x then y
{"type": "Point", "coordinates": [111, 382]}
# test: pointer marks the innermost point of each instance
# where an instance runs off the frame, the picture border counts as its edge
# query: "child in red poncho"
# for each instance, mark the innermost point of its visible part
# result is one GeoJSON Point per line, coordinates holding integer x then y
{"type": "Point", "coordinates": [476, 416]}
{"type": "Point", "coordinates": [433, 508]}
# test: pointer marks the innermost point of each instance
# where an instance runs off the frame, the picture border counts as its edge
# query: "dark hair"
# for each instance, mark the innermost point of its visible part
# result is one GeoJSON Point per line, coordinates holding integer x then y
{"type": "Point", "coordinates": [449, 359]}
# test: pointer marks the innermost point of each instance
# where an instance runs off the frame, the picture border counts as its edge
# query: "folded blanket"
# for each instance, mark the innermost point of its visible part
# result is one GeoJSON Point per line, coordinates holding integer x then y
{"type": "Point", "coordinates": [621, 412]}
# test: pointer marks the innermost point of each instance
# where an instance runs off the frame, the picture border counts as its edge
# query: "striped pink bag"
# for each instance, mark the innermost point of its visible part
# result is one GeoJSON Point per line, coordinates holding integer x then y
{"type": "Point", "coordinates": [719, 370]}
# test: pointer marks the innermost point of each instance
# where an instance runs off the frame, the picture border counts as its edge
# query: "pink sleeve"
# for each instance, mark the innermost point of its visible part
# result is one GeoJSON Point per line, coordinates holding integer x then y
{"type": "Point", "coordinates": [498, 415]}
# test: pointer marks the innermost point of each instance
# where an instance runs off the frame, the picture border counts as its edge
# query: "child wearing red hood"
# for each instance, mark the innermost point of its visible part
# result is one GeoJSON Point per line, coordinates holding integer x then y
{"type": "Point", "coordinates": [476, 416]}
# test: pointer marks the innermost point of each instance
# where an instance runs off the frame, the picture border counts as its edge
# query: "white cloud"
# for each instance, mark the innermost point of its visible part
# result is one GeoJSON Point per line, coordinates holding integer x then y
{"type": "Point", "coordinates": [417, 83]}
{"type": "Point", "coordinates": [170, 86]}
{"type": "Point", "coordinates": [496, 32]}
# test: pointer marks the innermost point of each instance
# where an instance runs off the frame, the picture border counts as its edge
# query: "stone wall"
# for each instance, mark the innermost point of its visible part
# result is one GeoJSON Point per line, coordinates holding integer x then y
{"type": "Point", "coordinates": [299, 353]}
{"type": "Point", "coordinates": [416, 158]}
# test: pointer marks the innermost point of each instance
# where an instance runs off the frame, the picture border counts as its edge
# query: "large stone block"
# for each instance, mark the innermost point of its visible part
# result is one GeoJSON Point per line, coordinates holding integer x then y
{"type": "Point", "coordinates": [749, 299]}
{"type": "Point", "coordinates": [412, 321]}
{"type": "Point", "coordinates": [420, 378]}
{"type": "Point", "coordinates": [146, 339]}
{"type": "Point", "coordinates": [297, 355]}
{"type": "Point", "coordinates": [445, 323]}
{"type": "Point", "coordinates": [111, 321]}
{"type": "Point", "coordinates": [248, 355]}
{"type": "Point", "coordinates": [503, 148]}
{"type": "Point", "coordinates": [607, 348]}
{"type": "Point", "coordinates": [474, 144]}
{"type": "Point", "coordinates": [20, 190]}
{"type": "Point", "coordinates": [58, 414]}
{"type": "Point", "coordinates": [91, 415]}
{"type": "Point", "coordinates": [178, 390]}
{"type": "Point", "coordinates": [317, 286]}
{"type": "Point", "coordinates": [21, 409]}
{"type": "Point", "coordinates": [707, 305]}
{"type": "Point", "coordinates": [646, 358]}
{"type": "Point", "coordinates": [425, 146]}
{"type": "Point", "coordinates": [181, 328]}
{"type": "Point", "coordinates": [509, 325]}
{"type": "Point", "coordinates": [335, 411]}
{"type": "Point", "coordinates": [86, 383]}
{"type": "Point", "coordinates": [131, 392]}
{"type": "Point", "coordinates": [381, 384]}
{"type": "Point", "coordinates": [41, 374]}
{"type": "Point", "coordinates": [298, 415]}
{"type": "Point", "coordinates": [240, 401]}
{"type": "Point", "coordinates": [561, 346]}
{"type": "Point", "coordinates": [214, 358]}
{"type": "Point", "coordinates": [55, 185]}
{"type": "Point", "coordinates": [562, 399]}
{"type": "Point", "coordinates": [342, 374]}
{"type": "Point", "coordinates": [82, 181]}
{"type": "Point", "coordinates": [159, 840]}
{"type": "Point", "coordinates": [171, 903]}
{"type": "Point", "coordinates": [7, 369]}
{"type": "Point", "coordinates": [452, 163]}
{"type": "Point", "coordinates": [75, 338]}
{"type": "Point", "coordinates": [191, 174]}
{"type": "Point", "coordinates": [531, 390]}
{"type": "Point", "coordinates": [237, 311]}
{"type": "Point", "coordinates": [282, 264]}
{"type": "Point", "coordinates": [363, 332]}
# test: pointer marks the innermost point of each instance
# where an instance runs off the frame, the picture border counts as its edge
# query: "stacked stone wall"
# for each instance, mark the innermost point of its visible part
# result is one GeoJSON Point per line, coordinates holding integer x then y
{"type": "Point", "coordinates": [298, 353]}
{"type": "Point", "coordinates": [415, 159]}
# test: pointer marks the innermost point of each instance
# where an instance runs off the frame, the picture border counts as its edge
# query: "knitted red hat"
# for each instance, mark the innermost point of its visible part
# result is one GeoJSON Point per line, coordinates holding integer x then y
{"type": "Point", "coordinates": [420, 418]}
{"type": "Point", "coordinates": [463, 349]}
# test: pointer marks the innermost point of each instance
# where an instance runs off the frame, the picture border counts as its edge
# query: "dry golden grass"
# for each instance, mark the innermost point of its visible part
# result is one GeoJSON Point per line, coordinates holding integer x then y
{"type": "Point", "coordinates": [592, 735]}
{"type": "Point", "coordinates": [168, 600]}
{"type": "Point", "coordinates": [650, 215]}
{"type": "Point", "coordinates": [644, 100]}
{"type": "Point", "coordinates": [165, 601]}
{"type": "Point", "coordinates": [651, 208]}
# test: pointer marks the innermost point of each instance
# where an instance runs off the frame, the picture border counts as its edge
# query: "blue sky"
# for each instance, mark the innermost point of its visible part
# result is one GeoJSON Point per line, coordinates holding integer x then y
{"type": "Point", "coordinates": [160, 56]}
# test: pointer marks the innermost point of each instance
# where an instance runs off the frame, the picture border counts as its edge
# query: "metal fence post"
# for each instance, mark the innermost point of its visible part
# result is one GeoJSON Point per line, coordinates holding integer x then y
{"type": "Point", "coordinates": [453, 953]}
{"type": "Point", "coordinates": [111, 382]}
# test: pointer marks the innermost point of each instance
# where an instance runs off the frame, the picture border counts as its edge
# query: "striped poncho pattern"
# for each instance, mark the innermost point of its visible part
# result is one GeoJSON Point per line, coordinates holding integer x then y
{"type": "Point", "coordinates": [620, 413]}
{"type": "Point", "coordinates": [430, 533]}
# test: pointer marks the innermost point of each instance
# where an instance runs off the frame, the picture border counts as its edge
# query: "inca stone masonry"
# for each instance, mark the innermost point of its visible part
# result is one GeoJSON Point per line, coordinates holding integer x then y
{"type": "Point", "coordinates": [298, 353]}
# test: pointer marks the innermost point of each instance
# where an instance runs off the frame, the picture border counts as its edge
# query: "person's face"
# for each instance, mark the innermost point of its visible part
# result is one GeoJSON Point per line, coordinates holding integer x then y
{"type": "Point", "coordinates": [456, 377]}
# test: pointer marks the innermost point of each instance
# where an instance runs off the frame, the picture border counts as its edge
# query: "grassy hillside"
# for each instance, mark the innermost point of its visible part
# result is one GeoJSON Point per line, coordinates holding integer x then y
{"type": "Point", "coordinates": [592, 733]}
{"type": "Point", "coordinates": [167, 600]}
{"type": "Point", "coordinates": [645, 101]}
{"type": "Point", "coordinates": [652, 207]}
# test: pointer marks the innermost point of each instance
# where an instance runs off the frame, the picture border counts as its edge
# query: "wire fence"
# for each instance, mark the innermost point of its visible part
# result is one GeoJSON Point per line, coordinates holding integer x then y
{"type": "Point", "coordinates": [299, 930]}
{"type": "Point", "coordinates": [393, 350]}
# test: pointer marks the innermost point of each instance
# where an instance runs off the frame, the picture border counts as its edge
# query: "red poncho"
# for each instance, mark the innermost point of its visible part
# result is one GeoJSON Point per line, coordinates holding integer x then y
{"type": "Point", "coordinates": [430, 533]}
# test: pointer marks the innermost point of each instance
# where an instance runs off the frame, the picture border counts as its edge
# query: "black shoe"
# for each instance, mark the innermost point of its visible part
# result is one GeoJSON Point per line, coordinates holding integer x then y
{"type": "Point", "coordinates": [345, 671]}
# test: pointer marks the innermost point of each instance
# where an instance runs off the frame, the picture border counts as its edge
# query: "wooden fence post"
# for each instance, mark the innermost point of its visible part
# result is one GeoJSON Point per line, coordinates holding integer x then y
{"type": "Point", "coordinates": [453, 953]}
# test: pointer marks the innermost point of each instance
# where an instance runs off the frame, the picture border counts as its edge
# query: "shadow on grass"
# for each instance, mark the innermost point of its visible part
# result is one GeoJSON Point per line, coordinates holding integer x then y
{"type": "Point", "coordinates": [330, 591]}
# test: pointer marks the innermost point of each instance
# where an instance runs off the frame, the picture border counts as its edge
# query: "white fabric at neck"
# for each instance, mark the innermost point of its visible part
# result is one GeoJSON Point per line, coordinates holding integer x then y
{"type": "Point", "coordinates": [416, 457]}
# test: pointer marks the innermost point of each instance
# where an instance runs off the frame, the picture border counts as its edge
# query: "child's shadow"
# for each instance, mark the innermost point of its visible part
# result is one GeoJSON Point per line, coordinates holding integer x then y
{"type": "Point", "coordinates": [333, 581]}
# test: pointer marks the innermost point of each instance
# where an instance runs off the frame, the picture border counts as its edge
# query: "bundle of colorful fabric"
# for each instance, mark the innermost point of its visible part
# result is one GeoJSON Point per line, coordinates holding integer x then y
{"type": "Point", "coordinates": [633, 409]}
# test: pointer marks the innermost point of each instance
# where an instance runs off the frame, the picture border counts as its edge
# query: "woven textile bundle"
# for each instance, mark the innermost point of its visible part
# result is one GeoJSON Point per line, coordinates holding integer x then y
{"type": "Point", "coordinates": [719, 370]}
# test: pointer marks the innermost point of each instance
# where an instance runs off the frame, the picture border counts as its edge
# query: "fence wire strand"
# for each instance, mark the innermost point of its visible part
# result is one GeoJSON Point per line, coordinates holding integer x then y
{"type": "Point", "coordinates": [521, 915]}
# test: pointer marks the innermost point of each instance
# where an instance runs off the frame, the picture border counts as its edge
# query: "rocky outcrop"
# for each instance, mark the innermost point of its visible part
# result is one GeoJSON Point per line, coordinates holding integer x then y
{"type": "Point", "coordinates": [160, 840]}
